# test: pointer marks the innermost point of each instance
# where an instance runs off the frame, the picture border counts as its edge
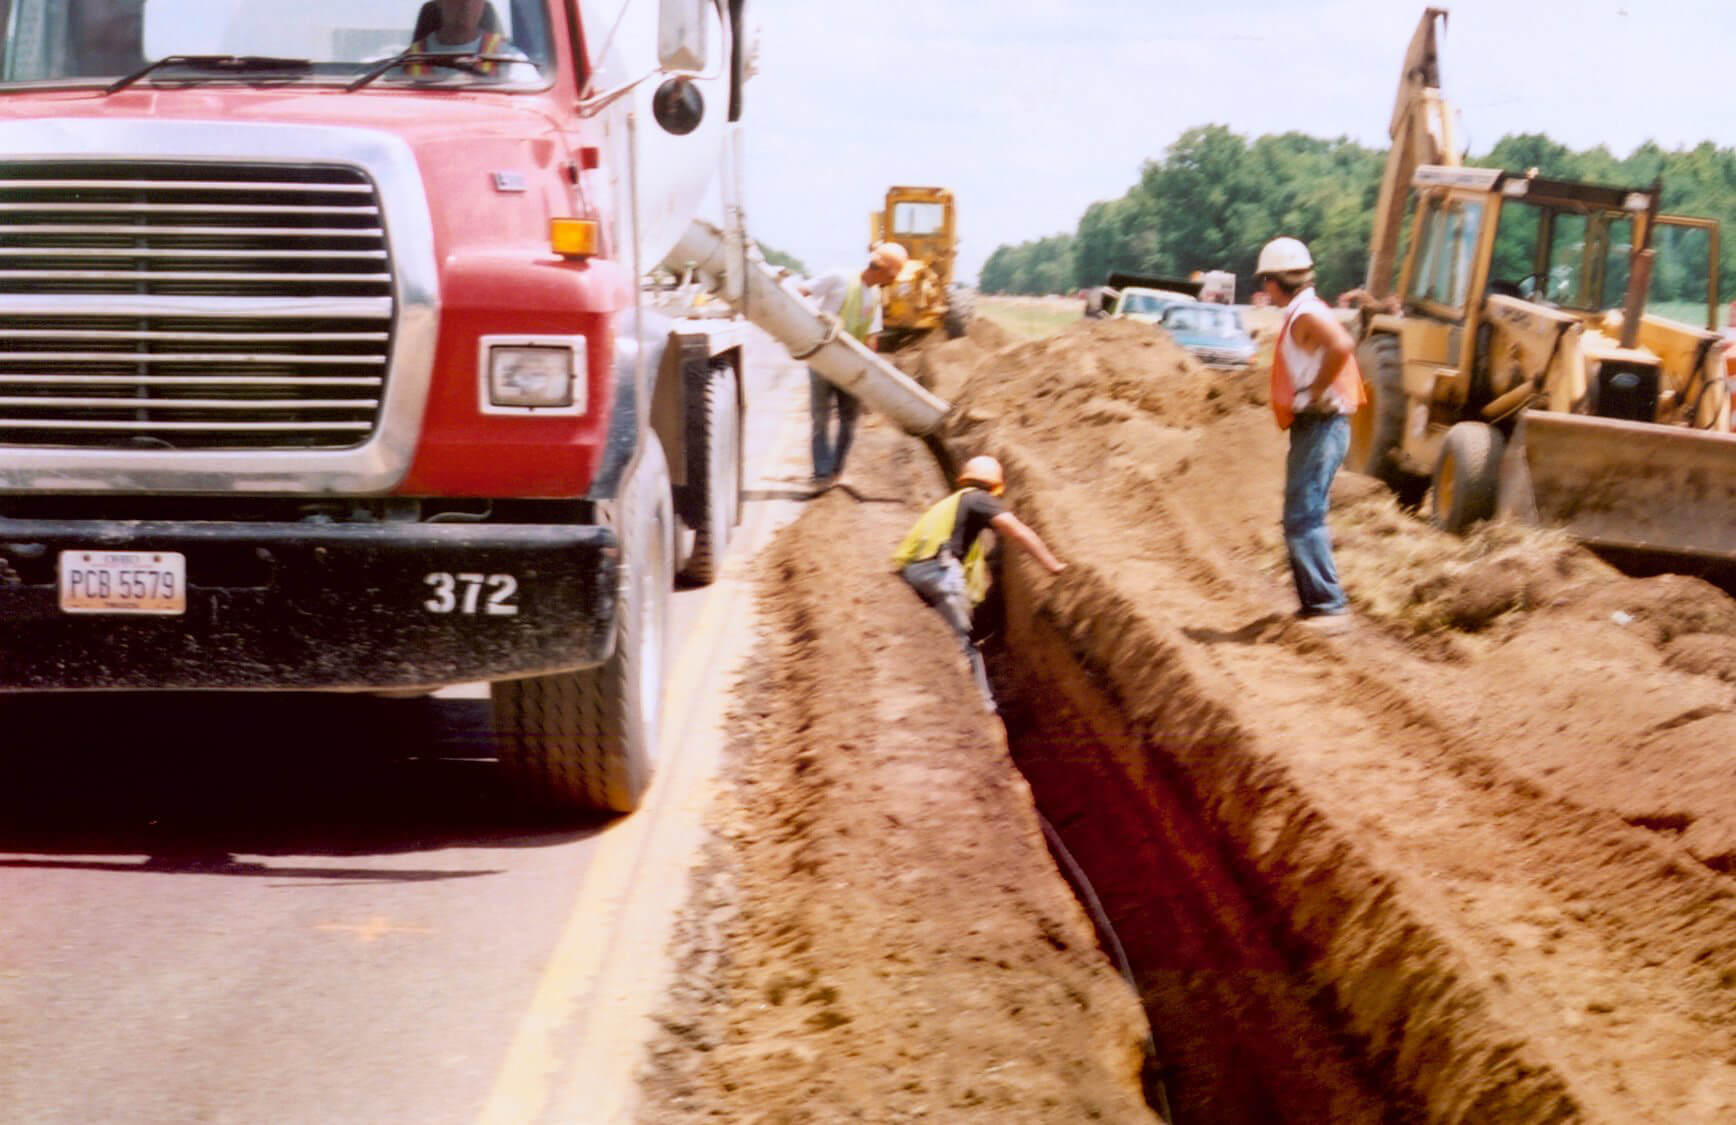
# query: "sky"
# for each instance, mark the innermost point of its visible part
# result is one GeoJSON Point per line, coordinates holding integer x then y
{"type": "Point", "coordinates": [1031, 110]}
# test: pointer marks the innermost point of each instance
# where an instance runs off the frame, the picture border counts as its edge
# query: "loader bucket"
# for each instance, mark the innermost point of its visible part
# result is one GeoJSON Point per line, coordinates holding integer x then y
{"type": "Point", "coordinates": [1626, 486]}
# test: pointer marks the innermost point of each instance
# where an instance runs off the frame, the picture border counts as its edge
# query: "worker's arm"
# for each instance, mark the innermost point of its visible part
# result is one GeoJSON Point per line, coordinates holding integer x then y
{"type": "Point", "coordinates": [1314, 332]}
{"type": "Point", "coordinates": [1016, 529]}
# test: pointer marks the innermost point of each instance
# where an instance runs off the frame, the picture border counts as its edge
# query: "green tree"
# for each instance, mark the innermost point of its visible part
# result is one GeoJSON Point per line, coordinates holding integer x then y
{"type": "Point", "coordinates": [1214, 198]}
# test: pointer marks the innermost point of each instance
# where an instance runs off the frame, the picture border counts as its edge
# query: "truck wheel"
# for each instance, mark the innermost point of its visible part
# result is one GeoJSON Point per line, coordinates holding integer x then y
{"type": "Point", "coordinates": [720, 480]}
{"type": "Point", "coordinates": [960, 308]}
{"type": "Point", "coordinates": [1467, 476]}
{"type": "Point", "coordinates": [586, 741]}
{"type": "Point", "coordinates": [1377, 430]}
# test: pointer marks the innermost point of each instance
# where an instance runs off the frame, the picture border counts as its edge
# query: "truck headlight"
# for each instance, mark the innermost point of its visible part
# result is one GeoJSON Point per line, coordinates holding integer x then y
{"type": "Point", "coordinates": [533, 374]}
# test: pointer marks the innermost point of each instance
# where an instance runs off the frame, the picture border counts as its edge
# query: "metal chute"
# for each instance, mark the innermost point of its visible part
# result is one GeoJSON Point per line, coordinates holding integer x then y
{"type": "Point", "coordinates": [811, 336]}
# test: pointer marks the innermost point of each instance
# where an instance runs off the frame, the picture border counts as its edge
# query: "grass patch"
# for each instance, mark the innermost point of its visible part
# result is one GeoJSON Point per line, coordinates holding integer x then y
{"type": "Point", "coordinates": [1031, 318]}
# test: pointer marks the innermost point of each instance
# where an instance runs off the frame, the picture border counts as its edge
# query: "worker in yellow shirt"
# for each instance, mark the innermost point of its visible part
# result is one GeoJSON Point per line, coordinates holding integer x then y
{"type": "Point", "coordinates": [942, 556]}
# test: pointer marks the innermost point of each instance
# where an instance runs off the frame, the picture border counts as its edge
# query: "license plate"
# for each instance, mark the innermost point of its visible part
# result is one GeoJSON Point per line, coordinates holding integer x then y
{"type": "Point", "coordinates": [123, 582]}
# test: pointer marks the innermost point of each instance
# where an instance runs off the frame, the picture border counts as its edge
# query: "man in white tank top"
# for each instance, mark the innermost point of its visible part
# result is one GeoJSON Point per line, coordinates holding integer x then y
{"type": "Point", "coordinates": [1315, 390]}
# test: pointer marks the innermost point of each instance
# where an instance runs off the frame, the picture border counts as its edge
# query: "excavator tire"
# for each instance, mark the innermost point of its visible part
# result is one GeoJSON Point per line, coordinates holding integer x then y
{"type": "Point", "coordinates": [586, 741]}
{"type": "Point", "coordinates": [720, 477]}
{"type": "Point", "coordinates": [1467, 476]}
{"type": "Point", "coordinates": [1377, 430]}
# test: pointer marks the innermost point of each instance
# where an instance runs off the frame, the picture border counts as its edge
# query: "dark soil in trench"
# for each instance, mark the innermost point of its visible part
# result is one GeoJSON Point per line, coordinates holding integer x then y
{"type": "Point", "coordinates": [1240, 1032]}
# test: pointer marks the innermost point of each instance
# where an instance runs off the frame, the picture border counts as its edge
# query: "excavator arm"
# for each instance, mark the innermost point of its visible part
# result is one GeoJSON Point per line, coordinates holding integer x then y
{"type": "Point", "coordinates": [1422, 133]}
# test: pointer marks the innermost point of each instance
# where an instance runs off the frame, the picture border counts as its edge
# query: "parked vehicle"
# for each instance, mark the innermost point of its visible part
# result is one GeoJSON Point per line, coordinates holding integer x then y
{"type": "Point", "coordinates": [1142, 298]}
{"type": "Point", "coordinates": [1212, 333]}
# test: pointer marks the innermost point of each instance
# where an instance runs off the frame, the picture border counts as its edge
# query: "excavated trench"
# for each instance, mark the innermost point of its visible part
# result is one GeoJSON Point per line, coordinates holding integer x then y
{"type": "Point", "coordinates": [1463, 864]}
{"type": "Point", "coordinates": [1241, 1031]}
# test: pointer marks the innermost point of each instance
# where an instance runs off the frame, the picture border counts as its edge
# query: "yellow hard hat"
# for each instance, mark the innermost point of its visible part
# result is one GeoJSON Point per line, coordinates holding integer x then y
{"type": "Point", "coordinates": [985, 471]}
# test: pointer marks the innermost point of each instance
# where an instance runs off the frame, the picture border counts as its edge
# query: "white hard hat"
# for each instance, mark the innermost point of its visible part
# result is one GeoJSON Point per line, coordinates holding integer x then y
{"type": "Point", "coordinates": [889, 256]}
{"type": "Point", "coordinates": [1283, 255]}
{"type": "Point", "coordinates": [984, 470]}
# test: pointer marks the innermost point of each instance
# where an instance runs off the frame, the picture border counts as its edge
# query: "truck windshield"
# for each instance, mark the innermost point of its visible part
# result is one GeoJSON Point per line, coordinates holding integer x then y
{"type": "Point", "coordinates": [63, 42]}
{"type": "Point", "coordinates": [1203, 320]}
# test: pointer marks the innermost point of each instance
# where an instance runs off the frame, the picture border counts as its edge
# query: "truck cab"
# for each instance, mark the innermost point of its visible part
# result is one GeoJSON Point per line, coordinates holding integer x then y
{"type": "Point", "coordinates": [327, 363]}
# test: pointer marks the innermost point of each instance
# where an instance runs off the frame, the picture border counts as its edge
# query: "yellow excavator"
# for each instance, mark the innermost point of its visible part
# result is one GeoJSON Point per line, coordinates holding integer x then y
{"type": "Point", "coordinates": [1515, 366]}
{"type": "Point", "coordinates": [923, 297]}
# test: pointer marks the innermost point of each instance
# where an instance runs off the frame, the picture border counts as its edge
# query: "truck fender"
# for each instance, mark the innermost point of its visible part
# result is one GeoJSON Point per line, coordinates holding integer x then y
{"type": "Point", "coordinates": [650, 339]}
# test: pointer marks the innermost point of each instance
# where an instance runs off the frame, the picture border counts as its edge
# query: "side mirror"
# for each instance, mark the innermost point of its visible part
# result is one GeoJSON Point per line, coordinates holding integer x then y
{"type": "Point", "coordinates": [681, 35]}
{"type": "Point", "coordinates": [678, 106]}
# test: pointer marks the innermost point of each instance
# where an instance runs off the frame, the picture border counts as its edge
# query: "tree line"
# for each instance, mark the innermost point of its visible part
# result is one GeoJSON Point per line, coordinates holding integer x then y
{"type": "Point", "coordinates": [1215, 198]}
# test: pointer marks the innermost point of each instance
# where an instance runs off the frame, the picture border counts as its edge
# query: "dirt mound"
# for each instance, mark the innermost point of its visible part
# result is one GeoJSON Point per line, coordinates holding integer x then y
{"type": "Point", "coordinates": [1496, 818]}
{"type": "Point", "coordinates": [1102, 373]}
{"type": "Point", "coordinates": [885, 937]}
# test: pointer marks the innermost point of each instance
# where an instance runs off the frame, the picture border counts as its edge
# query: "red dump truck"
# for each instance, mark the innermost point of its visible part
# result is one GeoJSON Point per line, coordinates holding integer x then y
{"type": "Point", "coordinates": [326, 362]}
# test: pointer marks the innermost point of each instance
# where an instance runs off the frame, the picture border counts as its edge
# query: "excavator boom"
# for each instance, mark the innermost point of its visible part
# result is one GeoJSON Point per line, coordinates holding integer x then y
{"type": "Point", "coordinates": [1422, 133]}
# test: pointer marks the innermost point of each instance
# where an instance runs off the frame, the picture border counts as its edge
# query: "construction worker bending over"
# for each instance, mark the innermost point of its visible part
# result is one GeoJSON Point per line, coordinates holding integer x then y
{"type": "Point", "coordinates": [942, 556]}
{"type": "Point", "coordinates": [1316, 387]}
{"type": "Point", "coordinates": [855, 301]}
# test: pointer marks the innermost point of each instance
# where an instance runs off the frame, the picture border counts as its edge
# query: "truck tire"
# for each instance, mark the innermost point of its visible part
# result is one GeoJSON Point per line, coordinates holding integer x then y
{"type": "Point", "coordinates": [1467, 476]}
{"type": "Point", "coordinates": [1377, 430]}
{"type": "Point", "coordinates": [719, 478]}
{"type": "Point", "coordinates": [960, 308]}
{"type": "Point", "coordinates": [586, 741]}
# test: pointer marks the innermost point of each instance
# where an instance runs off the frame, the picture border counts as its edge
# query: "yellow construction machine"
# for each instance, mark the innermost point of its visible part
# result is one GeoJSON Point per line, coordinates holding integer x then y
{"type": "Point", "coordinates": [1515, 366]}
{"type": "Point", "coordinates": [924, 297]}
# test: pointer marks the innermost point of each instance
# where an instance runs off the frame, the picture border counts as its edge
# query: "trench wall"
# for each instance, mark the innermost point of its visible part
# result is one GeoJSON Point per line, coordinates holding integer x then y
{"type": "Point", "coordinates": [1285, 977]}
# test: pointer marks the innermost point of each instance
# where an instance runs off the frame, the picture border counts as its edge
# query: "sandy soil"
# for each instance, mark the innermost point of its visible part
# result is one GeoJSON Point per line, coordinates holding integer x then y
{"type": "Point", "coordinates": [1470, 862]}
{"type": "Point", "coordinates": [881, 934]}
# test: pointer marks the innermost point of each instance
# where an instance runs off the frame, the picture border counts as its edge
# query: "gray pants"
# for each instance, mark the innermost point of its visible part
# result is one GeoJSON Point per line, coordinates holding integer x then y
{"type": "Point", "coordinates": [939, 582]}
{"type": "Point", "coordinates": [830, 451]}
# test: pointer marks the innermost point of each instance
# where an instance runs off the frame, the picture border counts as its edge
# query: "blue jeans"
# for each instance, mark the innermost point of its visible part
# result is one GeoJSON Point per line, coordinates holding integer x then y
{"type": "Point", "coordinates": [1318, 443]}
{"type": "Point", "coordinates": [829, 453]}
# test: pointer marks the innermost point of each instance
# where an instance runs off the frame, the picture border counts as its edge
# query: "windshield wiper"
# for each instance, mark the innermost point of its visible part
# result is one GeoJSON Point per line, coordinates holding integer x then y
{"type": "Point", "coordinates": [221, 64]}
{"type": "Point", "coordinates": [470, 64]}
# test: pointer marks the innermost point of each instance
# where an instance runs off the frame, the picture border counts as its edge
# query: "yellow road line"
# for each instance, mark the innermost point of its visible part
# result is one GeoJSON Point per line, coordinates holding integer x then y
{"type": "Point", "coordinates": [597, 992]}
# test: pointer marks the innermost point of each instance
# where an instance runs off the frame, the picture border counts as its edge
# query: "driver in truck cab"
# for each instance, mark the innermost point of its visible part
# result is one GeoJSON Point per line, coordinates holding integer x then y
{"type": "Point", "coordinates": [458, 27]}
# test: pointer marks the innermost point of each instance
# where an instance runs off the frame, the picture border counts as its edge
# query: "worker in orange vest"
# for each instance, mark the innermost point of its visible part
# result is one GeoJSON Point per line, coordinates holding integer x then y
{"type": "Point", "coordinates": [1316, 387]}
{"type": "Point", "coordinates": [459, 27]}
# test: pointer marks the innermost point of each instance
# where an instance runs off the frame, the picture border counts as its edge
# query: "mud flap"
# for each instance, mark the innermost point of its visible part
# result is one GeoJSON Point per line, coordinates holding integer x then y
{"type": "Point", "coordinates": [1637, 486]}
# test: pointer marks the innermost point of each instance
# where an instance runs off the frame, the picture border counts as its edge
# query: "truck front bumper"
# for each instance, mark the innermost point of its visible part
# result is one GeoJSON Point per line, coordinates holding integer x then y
{"type": "Point", "coordinates": [313, 606]}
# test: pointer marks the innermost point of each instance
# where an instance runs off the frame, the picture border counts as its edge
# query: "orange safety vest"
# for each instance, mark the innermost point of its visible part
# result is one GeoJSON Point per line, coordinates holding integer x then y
{"type": "Point", "coordinates": [1348, 382]}
{"type": "Point", "coordinates": [491, 42]}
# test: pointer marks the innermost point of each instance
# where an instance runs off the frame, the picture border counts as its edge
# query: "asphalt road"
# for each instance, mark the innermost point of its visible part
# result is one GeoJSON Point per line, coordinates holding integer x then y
{"type": "Point", "coordinates": [291, 908]}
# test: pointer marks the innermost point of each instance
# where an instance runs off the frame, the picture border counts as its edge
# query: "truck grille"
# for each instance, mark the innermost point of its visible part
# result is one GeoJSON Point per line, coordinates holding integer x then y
{"type": "Point", "coordinates": [191, 306]}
